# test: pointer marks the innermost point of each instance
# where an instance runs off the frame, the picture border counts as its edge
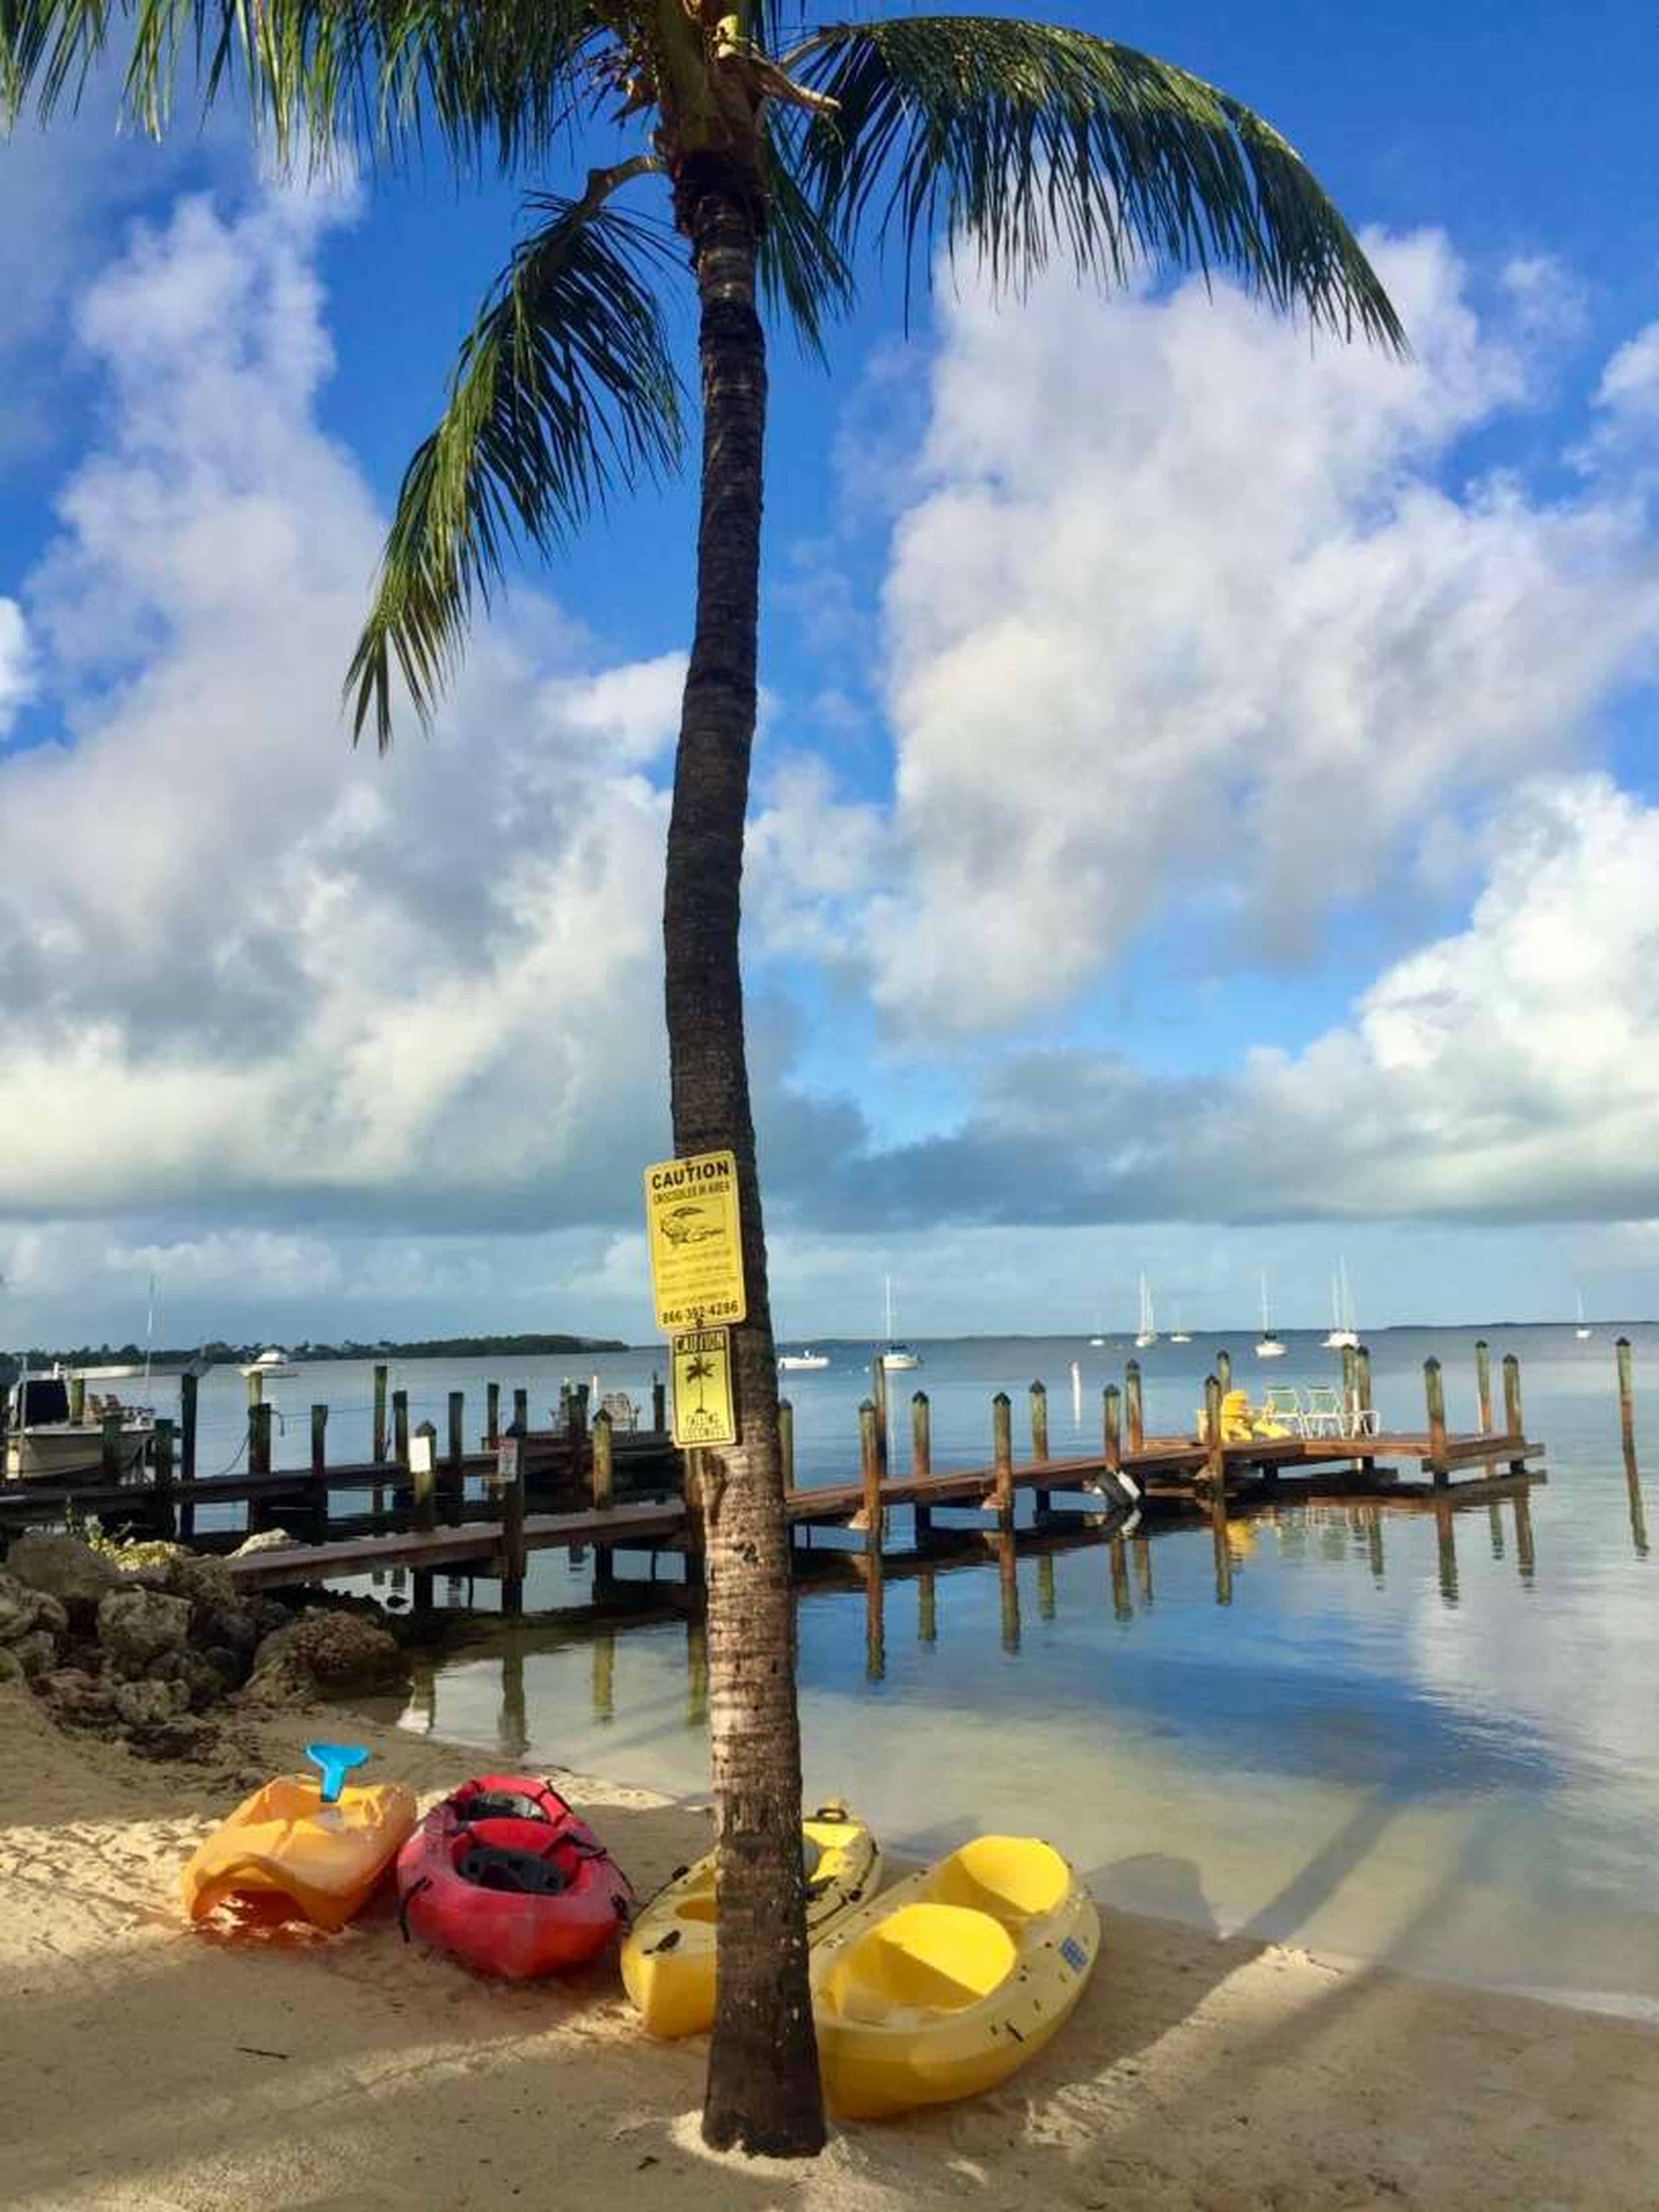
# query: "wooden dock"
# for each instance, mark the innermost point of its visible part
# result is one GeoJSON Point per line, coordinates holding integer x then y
{"type": "Point", "coordinates": [610, 1489]}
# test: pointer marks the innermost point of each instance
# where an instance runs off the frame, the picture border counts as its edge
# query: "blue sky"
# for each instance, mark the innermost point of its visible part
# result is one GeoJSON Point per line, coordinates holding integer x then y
{"type": "Point", "coordinates": [1204, 813]}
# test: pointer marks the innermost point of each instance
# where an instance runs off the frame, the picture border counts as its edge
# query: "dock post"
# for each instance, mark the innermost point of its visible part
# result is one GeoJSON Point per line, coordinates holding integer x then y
{"type": "Point", "coordinates": [492, 1415]}
{"type": "Point", "coordinates": [1215, 1466]}
{"type": "Point", "coordinates": [1132, 1420]}
{"type": "Point", "coordinates": [513, 1552]}
{"type": "Point", "coordinates": [161, 1455]}
{"type": "Point", "coordinates": [188, 1385]}
{"type": "Point", "coordinates": [1039, 1396]}
{"type": "Point", "coordinates": [879, 1399]}
{"type": "Point", "coordinates": [1112, 1410]}
{"type": "Point", "coordinates": [400, 1428]}
{"type": "Point", "coordinates": [259, 1439]}
{"type": "Point", "coordinates": [422, 1465]}
{"type": "Point", "coordinates": [926, 1610]}
{"type": "Point", "coordinates": [1483, 1383]}
{"type": "Point", "coordinates": [658, 1403]}
{"type": "Point", "coordinates": [870, 1475]}
{"type": "Point", "coordinates": [1626, 1403]}
{"type": "Point", "coordinates": [77, 1397]}
{"type": "Point", "coordinates": [1002, 1452]}
{"type": "Point", "coordinates": [1008, 1591]}
{"type": "Point", "coordinates": [921, 1455]}
{"type": "Point", "coordinates": [380, 1445]}
{"type": "Point", "coordinates": [1117, 1552]}
{"type": "Point", "coordinates": [1514, 1418]}
{"type": "Point", "coordinates": [455, 1469]}
{"type": "Point", "coordinates": [602, 1488]}
{"type": "Point", "coordinates": [1434, 1392]}
{"type": "Point", "coordinates": [1224, 1371]}
{"type": "Point", "coordinates": [786, 1442]}
{"type": "Point", "coordinates": [521, 1413]}
{"type": "Point", "coordinates": [318, 1499]}
{"type": "Point", "coordinates": [1362, 1380]}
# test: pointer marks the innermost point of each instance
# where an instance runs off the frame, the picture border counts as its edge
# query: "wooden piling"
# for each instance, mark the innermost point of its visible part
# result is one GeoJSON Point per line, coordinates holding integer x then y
{"type": "Point", "coordinates": [786, 1442]}
{"type": "Point", "coordinates": [316, 1495]}
{"type": "Point", "coordinates": [1362, 1377]}
{"type": "Point", "coordinates": [259, 1439]}
{"type": "Point", "coordinates": [1434, 1393]}
{"type": "Point", "coordinates": [658, 1405]}
{"type": "Point", "coordinates": [400, 1428]}
{"type": "Point", "coordinates": [1002, 1457]}
{"type": "Point", "coordinates": [870, 1475]}
{"type": "Point", "coordinates": [1039, 1395]}
{"type": "Point", "coordinates": [380, 1441]}
{"type": "Point", "coordinates": [1117, 1555]}
{"type": "Point", "coordinates": [514, 1555]}
{"type": "Point", "coordinates": [1627, 1403]}
{"type": "Point", "coordinates": [1132, 1412]}
{"type": "Point", "coordinates": [921, 1455]}
{"type": "Point", "coordinates": [1112, 1412]}
{"type": "Point", "coordinates": [166, 1517]}
{"type": "Point", "coordinates": [492, 1415]}
{"type": "Point", "coordinates": [602, 1487]}
{"type": "Point", "coordinates": [1483, 1384]}
{"type": "Point", "coordinates": [879, 1399]}
{"type": "Point", "coordinates": [189, 1386]}
{"type": "Point", "coordinates": [1215, 1451]}
{"type": "Point", "coordinates": [255, 1387]}
{"type": "Point", "coordinates": [521, 1412]}
{"type": "Point", "coordinates": [1224, 1371]}
{"type": "Point", "coordinates": [455, 1467]}
{"type": "Point", "coordinates": [422, 1464]}
{"type": "Point", "coordinates": [1514, 1418]}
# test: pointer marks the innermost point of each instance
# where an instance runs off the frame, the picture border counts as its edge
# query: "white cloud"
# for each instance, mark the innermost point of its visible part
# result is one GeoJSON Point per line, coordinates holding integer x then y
{"type": "Point", "coordinates": [1183, 608]}
{"type": "Point", "coordinates": [16, 673]}
{"type": "Point", "coordinates": [244, 966]}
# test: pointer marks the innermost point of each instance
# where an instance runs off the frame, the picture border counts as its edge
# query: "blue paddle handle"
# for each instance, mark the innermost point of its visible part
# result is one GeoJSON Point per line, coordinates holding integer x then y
{"type": "Point", "coordinates": [335, 1761]}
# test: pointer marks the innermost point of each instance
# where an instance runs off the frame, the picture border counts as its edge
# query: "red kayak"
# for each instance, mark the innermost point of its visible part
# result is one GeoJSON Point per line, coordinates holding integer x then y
{"type": "Point", "coordinates": [504, 1875]}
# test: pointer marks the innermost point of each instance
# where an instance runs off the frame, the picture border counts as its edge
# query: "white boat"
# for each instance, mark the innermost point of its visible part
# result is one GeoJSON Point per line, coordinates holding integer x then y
{"type": "Point", "coordinates": [802, 1363]}
{"type": "Point", "coordinates": [1178, 1334]}
{"type": "Point", "coordinates": [273, 1363]}
{"type": "Point", "coordinates": [1344, 1336]}
{"type": "Point", "coordinates": [43, 1444]}
{"type": "Point", "coordinates": [896, 1357]}
{"type": "Point", "coordinates": [1583, 1331]}
{"type": "Point", "coordinates": [1147, 1331]}
{"type": "Point", "coordinates": [1099, 1336]}
{"type": "Point", "coordinates": [1269, 1346]}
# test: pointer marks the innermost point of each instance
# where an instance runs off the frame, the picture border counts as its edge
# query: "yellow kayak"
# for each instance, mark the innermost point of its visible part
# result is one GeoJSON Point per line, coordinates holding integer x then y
{"type": "Point", "coordinates": [943, 1986]}
{"type": "Point", "coordinates": [668, 1957]}
{"type": "Point", "coordinates": [285, 1855]}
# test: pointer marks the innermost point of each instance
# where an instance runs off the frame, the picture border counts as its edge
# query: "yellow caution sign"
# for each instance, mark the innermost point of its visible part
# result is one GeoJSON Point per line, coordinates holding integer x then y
{"type": "Point", "coordinates": [695, 1238]}
{"type": "Point", "coordinates": [703, 1411]}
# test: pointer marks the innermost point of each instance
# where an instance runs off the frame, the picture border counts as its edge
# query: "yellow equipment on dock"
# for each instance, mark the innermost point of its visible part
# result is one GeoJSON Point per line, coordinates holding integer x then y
{"type": "Point", "coordinates": [946, 1985]}
{"type": "Point", "coordinates": [284, 1854]}
{"type": "Point", "coordinates": [668, 1956]}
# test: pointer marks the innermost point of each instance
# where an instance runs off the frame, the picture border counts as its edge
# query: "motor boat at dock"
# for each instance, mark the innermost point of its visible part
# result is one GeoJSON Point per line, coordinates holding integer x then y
{"type": "Point", "coordinates": [44, 1444]}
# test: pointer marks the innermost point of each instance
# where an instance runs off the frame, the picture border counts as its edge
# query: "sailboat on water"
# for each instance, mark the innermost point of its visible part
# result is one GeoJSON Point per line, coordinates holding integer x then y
{"type": "Point", "coordinates": [896, 1357]}
{"type": "Point", "coordinates": [1583, 1331]}
{"type": "Point", "coordinates": [1178, 1334]}
{"type": "Point", "coordinates": [1099, 1336]}
{"type": "Point", "coordinates": [1344, 1336]}
{"type": "Point", "coordinates": [1268, 1346]}
{"type": "Point", "coordinates": [1147, 1333]}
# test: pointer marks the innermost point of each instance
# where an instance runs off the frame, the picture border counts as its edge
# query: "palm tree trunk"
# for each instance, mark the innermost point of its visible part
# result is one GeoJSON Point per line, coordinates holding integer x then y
{"type": "Point", "coordinates": [763, 2094]}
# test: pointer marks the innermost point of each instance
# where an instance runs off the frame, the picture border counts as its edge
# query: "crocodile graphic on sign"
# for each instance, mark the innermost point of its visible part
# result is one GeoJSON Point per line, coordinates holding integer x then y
{"type": "Point", "coordinates": [689, 1225]}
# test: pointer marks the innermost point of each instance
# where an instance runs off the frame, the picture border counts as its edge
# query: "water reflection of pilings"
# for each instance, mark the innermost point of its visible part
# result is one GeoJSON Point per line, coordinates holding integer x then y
{"type": "Point", "coordinates": [1446, 1546]}
{"type": "Point", "coordinates": [514, 1727]}
{"type": "Point", "coordinates": [1143, 1552]}
{"type": "Point", "coordinates": [697, 1673]}
{"type": "Point", "coordinates": [1220, 1545]}
{"type": "Point", "coordinates": [1008, 1589]}
{"type": "Point", "coordinates": [1524, 1558]}
{"type": "Point", "coordinates": [1045, 1567]}
{"type": "Point", "coordinates": [605, 1674]}
{"type": "Point", "coordinates": [875, 1620]}
{"type": "Point", "coordinates": [1122, 1605]}
{"type": "Point", "coordinates": [926, 1611]}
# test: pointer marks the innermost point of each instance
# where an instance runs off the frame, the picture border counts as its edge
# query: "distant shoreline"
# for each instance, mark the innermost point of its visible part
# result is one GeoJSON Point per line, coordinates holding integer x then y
{"type": "Point", "coordinates": [219, 1354]}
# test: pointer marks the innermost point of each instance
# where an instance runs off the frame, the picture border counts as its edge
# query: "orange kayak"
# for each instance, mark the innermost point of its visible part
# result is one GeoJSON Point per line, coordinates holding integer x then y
{"type": "Point", "coordinates": [287, 1853]}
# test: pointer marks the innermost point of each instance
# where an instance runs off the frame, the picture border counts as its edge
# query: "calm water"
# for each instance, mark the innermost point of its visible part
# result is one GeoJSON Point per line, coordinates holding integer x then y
{"type": "Point", "coordinates": [1431, 1744]}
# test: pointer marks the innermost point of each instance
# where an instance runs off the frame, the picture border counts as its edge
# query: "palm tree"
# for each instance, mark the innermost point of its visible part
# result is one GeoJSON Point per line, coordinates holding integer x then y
{"type": "Point", "coordinates": [1018, 142]}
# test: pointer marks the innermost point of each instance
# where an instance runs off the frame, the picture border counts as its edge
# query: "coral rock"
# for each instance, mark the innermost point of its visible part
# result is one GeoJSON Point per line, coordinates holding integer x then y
{"type": "Point", "coordinates": [137, 1627]}
{"type": "Point", "coordinates": [65, 1569]}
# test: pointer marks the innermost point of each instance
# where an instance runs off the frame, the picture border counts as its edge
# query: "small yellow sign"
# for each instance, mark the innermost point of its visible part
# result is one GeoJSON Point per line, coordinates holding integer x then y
{"type": "Point", "coordinates": [695, 1237]}
{"type": "Point", "coordinates": [703, 1411]}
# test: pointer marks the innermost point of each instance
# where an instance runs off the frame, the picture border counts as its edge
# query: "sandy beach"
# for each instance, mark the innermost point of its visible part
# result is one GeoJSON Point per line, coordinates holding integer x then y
{"type": "Point", "coordinates": [144, 2064]}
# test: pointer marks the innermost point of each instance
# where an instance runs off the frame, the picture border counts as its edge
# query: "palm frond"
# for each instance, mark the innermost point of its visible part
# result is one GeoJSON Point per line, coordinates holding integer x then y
{"type": "Point", "coordinates": [564, 389]}
{"type": "Point", "coordinates": [803, 271]}
{"type": "Point", "coordinates": [1027, 141]}
{"type": "Point", "coordinates": [495, 80]}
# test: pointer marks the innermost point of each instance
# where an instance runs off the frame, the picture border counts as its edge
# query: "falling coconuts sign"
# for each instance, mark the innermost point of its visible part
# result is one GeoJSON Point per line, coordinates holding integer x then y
{"type": "Point", "coordinates": [695, 1234]}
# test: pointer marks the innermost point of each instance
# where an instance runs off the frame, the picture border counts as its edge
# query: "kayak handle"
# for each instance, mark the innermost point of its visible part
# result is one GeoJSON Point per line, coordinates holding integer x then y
{"type": "Point", "coordinates": [335, 1761]}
